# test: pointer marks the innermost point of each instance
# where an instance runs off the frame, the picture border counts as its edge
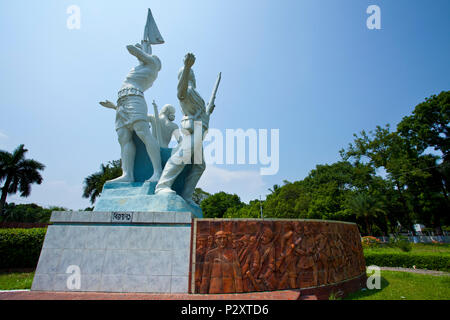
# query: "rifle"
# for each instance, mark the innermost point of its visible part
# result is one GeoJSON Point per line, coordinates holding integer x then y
{"type": "Point", "coordinates": [213, 96]}
{"type": "Point", "coordinates": [157, 130]}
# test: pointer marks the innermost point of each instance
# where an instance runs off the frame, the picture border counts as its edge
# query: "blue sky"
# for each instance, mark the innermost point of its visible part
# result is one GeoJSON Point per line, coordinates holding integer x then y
{"type": "Point", "coordinates": [311, 69]}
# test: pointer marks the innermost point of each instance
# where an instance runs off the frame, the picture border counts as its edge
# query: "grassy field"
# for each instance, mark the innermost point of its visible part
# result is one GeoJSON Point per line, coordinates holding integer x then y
{"type": "Point", "coordinates": [433, 249]}
{"type": "Point", "coordinates": [16, 280]}
{"type": "Point", "coordinates": [407, 286]}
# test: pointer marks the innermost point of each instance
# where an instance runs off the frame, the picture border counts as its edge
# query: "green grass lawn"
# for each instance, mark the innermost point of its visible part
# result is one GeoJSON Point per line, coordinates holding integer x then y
{"type": "Point", "coordinates": [16, 280]}
{"type": "Point", "coordinates": [422, 248]}
{"type": "Point", "coordinates": [407, 286]}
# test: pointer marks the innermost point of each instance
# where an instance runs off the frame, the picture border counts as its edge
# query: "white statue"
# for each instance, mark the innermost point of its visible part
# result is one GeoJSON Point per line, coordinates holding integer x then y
{"type": "Point", "coordinates": [165, 124]}
{"type": "Point", "coordinates": [193, 108]}
{"type": "Point", "coordinates": [131, 109]}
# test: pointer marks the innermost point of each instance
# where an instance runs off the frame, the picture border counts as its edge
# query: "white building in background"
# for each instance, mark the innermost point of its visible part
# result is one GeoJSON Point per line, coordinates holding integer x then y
{"type": "Point", "coordinates": [419, 227]}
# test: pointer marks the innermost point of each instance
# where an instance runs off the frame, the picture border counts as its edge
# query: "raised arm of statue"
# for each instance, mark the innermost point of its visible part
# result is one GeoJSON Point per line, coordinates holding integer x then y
{"type": "Point", "coordinates": [183, 83]}
{"type": "Point", "coordinates": [140, 54]}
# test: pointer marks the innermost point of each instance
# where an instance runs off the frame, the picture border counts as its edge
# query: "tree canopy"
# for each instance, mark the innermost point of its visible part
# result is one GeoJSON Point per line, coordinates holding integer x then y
{"type": "Point", "coordinates": [18, 173]}
{"type": "Point", "coordinates": [217, 204]}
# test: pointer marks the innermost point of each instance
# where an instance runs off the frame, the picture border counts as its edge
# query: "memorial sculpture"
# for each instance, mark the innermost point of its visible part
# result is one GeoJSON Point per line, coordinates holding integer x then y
{"type": "Point", "coordinates": [166, 182]}
{"type": "Point", "coordinates": [146, 234]}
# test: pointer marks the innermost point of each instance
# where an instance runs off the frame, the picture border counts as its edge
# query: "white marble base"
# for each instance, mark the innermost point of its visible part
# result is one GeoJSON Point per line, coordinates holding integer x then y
{"type": "Point", "coordinates": [148, 254]}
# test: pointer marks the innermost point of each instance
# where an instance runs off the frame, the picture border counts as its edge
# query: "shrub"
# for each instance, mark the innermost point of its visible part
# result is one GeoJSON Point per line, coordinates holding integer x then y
{"type": "Point", "coordinates": [404, 245]}
{"type": "Point", "coordinates": [401, 242]}
{"type": "Point", "coordinates": [408, 260]}
{"type": "Point", "coordinates": [20, 248]}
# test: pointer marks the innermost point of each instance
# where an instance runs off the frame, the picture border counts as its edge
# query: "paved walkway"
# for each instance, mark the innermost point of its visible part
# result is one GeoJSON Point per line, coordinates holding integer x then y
{"type": "Point", "coordinates": [43, 295]}
{"type": "Point", "coordinates": [420, 271]}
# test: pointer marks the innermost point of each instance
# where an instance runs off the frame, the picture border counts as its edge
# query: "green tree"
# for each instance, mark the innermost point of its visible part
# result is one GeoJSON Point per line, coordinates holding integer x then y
{"type": "Point", "coordinates": [28, 213]}
{"type": "Point", "coordinates": [18, 173]}
{"type": "Point", "coordinates": [366, 207]}
{"type": "Point", "coordinates": [428, 127]}
{"type": "Point", "coordinates": [321, 195]}
{"type": "Point", "coordinates": [200, 195]}
{"type": "Point", "coordinates": [93, 184]}
{"type": "Point", "coordinates": [217, 204]}
{"type": "Point", "coordinates": [251, 210]}
{"type": "Point", "coordinates": [388, 150]}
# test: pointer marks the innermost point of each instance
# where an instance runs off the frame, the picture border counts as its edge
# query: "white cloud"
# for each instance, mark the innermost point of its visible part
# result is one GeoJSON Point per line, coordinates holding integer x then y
{"type": "Point", "coordinates": [247, 184]}
{"type": "Point", "coordinates": [54, 193]}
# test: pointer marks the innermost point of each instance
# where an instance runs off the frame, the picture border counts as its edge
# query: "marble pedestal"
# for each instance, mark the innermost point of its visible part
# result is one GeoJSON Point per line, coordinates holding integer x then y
{"type": "Point", "coordinates": [116, 252]}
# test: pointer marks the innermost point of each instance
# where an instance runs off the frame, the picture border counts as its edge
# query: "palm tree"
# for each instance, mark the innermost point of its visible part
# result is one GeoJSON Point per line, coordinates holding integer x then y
{"type": "Point", "coordinates": [200, 195]}
{"type": "Point", "coordinates": [93, 184]}
{"type": "Point", "coordinates": [366, 207]}
{"type": "Point", "coordinates": [275, 188]}
{"type": "Point", "coordinates": [18, 173]}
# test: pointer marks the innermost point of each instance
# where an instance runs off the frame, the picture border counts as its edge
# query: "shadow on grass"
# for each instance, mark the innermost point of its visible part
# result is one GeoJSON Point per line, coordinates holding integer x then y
{"type": "Point", "coordinates": [368, 292]}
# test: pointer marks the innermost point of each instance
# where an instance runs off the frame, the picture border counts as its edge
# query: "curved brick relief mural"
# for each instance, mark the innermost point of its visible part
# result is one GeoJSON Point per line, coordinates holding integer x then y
{"type": "Point", "coordinates": [234, 256]}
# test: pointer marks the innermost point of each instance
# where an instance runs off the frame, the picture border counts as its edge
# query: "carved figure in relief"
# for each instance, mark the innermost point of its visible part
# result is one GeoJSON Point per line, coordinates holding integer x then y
{"type": "Point", "coordinates": [333, 260]}
{"type": "Point", "coordinates": [306, 265]}
{"type": "Point", "coordinates": [250, 264]}
{"type": "Point", "coordinates": [265, 274]}
{"type": "Point", "coordinates": [221, 269]}
{"type": "Point", "coordinates": [322, 255]}
{"type": "Point", "coordinates": [199, 258]}
{"type": "Point", "coordinates": [287, 261]}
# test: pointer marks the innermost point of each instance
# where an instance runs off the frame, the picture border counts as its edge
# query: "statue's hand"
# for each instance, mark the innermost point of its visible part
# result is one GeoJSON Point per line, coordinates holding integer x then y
{"type": "Point", "coordinates": [108, 104]}
{"type": "Point", "coordinates": [211, 108]}
{"type": "Point", "coordinates": [189, 60]}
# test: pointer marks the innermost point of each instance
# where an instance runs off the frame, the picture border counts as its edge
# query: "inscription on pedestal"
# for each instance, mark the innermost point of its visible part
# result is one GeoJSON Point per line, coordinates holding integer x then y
{"type": "Point", "coordinates": [121, 217]}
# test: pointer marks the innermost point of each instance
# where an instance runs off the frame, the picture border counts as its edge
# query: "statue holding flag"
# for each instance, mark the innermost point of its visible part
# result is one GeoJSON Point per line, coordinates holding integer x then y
{"type": "Point", "coordinates": [131, 109]}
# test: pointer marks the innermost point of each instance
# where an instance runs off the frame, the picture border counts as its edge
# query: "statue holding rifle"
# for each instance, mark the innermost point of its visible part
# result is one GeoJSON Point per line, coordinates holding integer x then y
{"type": "Point", "coordinates": [190, 150]}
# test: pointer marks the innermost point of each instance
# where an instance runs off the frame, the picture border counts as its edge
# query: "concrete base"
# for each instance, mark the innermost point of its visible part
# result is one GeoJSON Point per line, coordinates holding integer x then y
{"type": "Point", "coordinates": [116, 252]}
{"type": "Point", "coordinates": [139, 196]}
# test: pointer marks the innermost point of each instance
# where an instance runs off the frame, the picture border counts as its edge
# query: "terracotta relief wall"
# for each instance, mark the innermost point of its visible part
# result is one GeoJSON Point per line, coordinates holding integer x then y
{"type": "Point", "coordinates": [263, 255]}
